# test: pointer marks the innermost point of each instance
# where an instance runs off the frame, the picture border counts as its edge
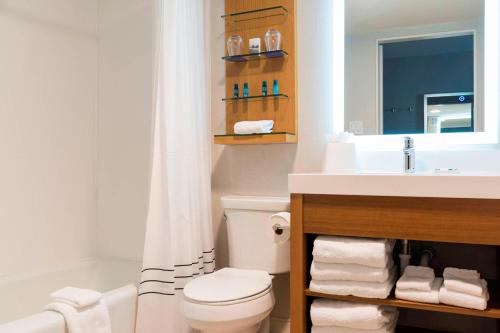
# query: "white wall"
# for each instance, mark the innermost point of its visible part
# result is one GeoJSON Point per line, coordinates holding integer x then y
{"type": "Point", "coordinates": [361, 68]}
{"type": "Point", "coordinates": [125, 109]}
{"type": "Point", "coordinates": [263, 169]}
{"type": "Point", "coordinates": [47, 119]}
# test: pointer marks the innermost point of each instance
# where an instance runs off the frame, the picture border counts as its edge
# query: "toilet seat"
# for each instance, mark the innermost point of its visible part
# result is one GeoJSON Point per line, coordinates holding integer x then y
{"type": "Point", "coordinates": [227, 301]}
{"type": "Point", "coordinates": [228, 286]}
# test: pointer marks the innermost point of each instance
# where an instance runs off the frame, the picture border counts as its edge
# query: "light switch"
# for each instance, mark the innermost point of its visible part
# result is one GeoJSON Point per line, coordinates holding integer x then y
{"type": "Point", "coordinates": [356, 127]}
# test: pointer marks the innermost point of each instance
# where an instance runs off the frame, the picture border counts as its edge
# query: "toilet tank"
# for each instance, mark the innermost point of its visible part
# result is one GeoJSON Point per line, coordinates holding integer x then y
{"type": "Point", "coordinates": [253, 243]}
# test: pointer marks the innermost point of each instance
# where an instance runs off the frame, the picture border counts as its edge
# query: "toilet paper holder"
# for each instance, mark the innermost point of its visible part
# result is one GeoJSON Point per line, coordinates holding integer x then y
{"type": "Point", "coordinates": [279, 229]}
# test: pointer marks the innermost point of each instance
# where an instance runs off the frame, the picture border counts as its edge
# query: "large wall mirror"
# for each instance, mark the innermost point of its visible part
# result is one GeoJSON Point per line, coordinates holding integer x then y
{"type": "Point", "coordinates": [416, 67]}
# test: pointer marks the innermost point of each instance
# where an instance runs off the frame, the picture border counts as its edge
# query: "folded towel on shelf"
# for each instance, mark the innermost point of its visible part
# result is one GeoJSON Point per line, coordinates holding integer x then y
{"type": "Point", "coordinates": [389, 328]}
{"type": "Point", "coordinates": [348, 250]}
{"type": "Point", "coordinates": [463, 300]}
{"type": "Point", "coordinates": [254, 127]}
{"type": "Point", "coordinates": [76, 297]}
{"type": "Point", "coordinates": [356, 288]}
{"type": "Point", "coordinates": [416, 278]}
{"type": "Point", "coordinates": [92, 318]}
{"type": "Point", "coordinates": [463, 274]}
{"type": "Point", "coordinates": [469, 287]}
{"type": "Point", "coordinates": [325, 312]}
{"type": "Point", "coordinates": [321, 271]}
{"type": "Point", "coordinates": [431, 296]}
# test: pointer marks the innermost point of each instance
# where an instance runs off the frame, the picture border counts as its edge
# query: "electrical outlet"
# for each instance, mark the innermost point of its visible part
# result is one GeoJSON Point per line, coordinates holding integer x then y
{"type": "Point", "coordinates": [356, 127]}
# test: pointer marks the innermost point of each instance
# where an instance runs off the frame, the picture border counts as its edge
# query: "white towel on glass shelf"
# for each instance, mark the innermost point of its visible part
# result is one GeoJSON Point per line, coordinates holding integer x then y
{"type": "Point", "coordinates": [416, 278]}
{"type": "Point", "coordinates": [325, 312]}
{"type": "Point", "coordinates": [348, 250]}
{"type": "Point", "coordinates": [254, 127]}
{"type": "Point", "coordinates": [431, 296]}
{"type": "Point", "coordinates": [356, 288]}
{"type": "Point", "coordinates": [321, 271]}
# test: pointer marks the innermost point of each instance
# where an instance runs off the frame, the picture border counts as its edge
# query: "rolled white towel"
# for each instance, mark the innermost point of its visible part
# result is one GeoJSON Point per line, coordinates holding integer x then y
{"type": "Point", "coordinates": [389, 328]}
{"type": "Point", "coordinates": [416, 278]}
{"type": "Point", "coordinates": [356, 288]}
{"type": "Point", "coordinates": [348, 250]}
{"type": "Point", "coordinates": [325, 313]}
{"type": "Point", "coordinates": [254, 127]}
{"type": "Point", "coordinates": [463, 300]}
{"type": "Point", "coordinates": [463, 274]}
{"type": "Point", "coordinates": [321, 271]}
{"type": "Point", "coordinates": [431, 296]}
{"type": "Point", "coordinates": [469, 287]}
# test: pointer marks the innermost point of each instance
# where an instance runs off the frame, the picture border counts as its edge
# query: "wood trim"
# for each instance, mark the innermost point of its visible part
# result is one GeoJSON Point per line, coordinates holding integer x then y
{"type": "Point", "coordinates": [255, 139]}
{"type": "Point", "coordinates": [492, 312]}
{"type": "Point", "coordinates": [298, 271]}
{"type": "Point", "coordinates": [467, 221]}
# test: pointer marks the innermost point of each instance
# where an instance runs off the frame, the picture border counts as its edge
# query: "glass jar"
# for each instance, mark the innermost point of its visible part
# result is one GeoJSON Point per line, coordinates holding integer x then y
{"type": "Point", "coordinates": [273, 40]}
{"type": "Point", "coordinates": [234, 45]}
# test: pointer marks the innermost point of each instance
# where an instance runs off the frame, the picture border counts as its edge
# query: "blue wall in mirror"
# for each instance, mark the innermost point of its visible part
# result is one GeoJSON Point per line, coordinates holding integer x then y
{"type": "Point", "coordinates": [415, 68]}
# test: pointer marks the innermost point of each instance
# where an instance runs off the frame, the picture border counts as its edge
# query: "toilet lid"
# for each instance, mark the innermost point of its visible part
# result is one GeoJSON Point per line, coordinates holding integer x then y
{"type": "Point", "coordinates": [227, 284]}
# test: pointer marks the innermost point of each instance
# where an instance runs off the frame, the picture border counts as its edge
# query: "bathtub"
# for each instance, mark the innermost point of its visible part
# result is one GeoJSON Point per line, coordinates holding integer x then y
{"type": "Point", "coordinates": [24, 295]}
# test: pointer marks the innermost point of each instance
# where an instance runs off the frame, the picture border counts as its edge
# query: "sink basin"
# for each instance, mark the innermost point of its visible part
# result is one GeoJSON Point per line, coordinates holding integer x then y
{"type": "Point", "coordinates": [481, 186]}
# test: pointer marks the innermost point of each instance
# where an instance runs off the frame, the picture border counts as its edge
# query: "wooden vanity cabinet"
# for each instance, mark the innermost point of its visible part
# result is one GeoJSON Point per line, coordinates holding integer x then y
{"type": "Point", "coordinates": [447, 220]}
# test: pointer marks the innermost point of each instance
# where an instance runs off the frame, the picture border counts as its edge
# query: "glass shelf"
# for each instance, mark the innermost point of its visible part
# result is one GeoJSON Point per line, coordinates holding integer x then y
{"type": "Point", "coordinates": [234, 99]}
{"type": "Point", "coordinates": [256, 14]}
{"type": "Point", "coordinates": [256, 56]}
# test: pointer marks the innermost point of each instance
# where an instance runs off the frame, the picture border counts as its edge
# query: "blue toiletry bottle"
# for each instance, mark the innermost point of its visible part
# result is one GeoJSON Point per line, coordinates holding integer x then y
{"type": "Point", "coordinates": [245, 89]}
{"type": "Point", "coordinates": [276, 89]}
{"type": "Point", "coordinates": [236, 91]}
{"type": "Point", "coordinates": [264, 88]}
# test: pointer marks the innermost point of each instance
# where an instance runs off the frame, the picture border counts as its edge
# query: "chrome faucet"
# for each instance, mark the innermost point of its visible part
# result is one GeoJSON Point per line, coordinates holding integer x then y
{"type": "Point", "coordinates": [409, 155]}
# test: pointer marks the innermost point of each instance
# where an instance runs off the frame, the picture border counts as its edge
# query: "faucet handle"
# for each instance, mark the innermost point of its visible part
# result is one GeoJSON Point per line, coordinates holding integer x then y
{"type": "Point", "coordinates": [409, 143]}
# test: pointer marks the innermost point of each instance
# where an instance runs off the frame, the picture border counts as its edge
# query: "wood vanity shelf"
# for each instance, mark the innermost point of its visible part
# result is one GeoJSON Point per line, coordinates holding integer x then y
{"type": "Point", "coordinates": [446, 220]}
{"type": "Point", "coordinates": [252, 19]}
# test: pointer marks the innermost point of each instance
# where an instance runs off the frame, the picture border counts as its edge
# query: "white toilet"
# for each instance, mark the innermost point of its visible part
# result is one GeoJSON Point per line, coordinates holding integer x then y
{"type": "Point", "coordinates": [239, 299]}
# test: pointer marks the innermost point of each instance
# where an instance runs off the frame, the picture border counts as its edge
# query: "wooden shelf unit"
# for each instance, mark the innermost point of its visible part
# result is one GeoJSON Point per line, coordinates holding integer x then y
{"type": "Point", "coordinates": [255, 139]}
{"type": "Point", "coordinates": [447, 220]}
{"type": "Point", "coordinates": [492, 312]}
{"type": "Point", "coordinates": [252, 19]}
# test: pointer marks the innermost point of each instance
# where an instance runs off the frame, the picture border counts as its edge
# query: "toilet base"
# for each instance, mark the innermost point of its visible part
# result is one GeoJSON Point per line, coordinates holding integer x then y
{"type": "Point", "coordinates": [263, 327]}
{"type": "Point", "coordinates": [253, 329]}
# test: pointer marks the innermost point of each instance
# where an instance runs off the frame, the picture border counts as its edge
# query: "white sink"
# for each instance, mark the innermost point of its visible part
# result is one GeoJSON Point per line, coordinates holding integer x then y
{"type": "Point", "coordinates": [481, 186]}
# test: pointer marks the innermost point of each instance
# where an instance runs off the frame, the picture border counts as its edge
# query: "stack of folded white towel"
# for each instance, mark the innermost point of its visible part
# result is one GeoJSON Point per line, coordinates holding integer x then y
{"type": "Point", "coordinates": [83, 310]}
{"type": "Point", "coordinates": [353, 266]}
{"type": "Point", "coordinates": [329, 316]}
{"type": "Point", "coordinates": [419, 284]}
{"type": "Point", "coordinates": [464, 288]}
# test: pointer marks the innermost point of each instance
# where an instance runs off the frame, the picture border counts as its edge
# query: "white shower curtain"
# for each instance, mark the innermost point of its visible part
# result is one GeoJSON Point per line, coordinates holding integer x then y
{"type": "Point", "coordinates": [179, 242]}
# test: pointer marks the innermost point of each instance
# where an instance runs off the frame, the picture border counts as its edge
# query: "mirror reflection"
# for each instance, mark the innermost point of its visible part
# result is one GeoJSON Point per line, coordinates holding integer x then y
{"type": "Point", "coordinates": [420, 71]}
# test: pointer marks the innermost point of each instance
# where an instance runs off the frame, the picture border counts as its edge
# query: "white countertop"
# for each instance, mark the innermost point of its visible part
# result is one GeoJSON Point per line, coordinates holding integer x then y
{"type": "Point", "coordinates": [480, 186]}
